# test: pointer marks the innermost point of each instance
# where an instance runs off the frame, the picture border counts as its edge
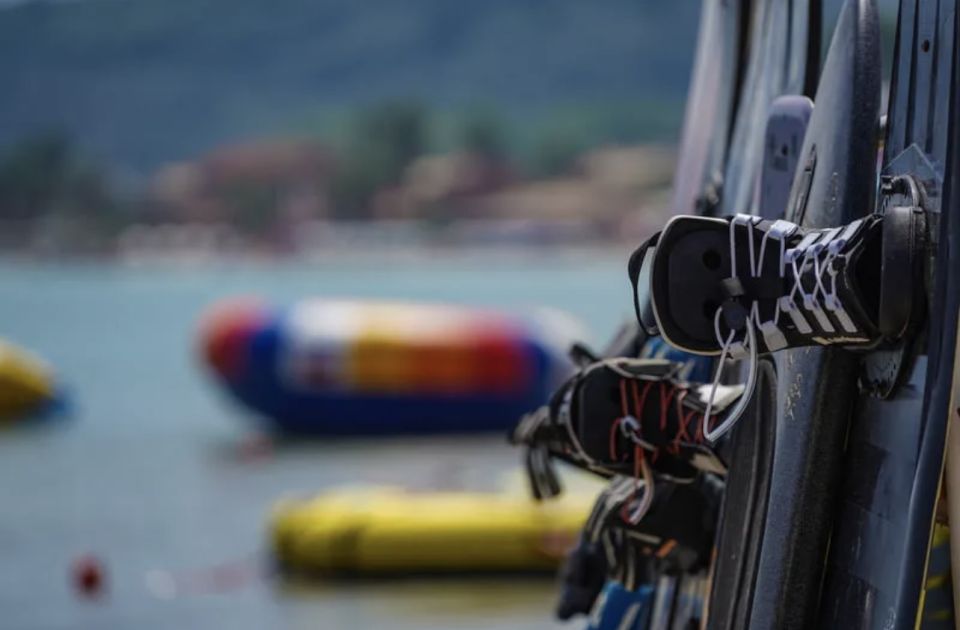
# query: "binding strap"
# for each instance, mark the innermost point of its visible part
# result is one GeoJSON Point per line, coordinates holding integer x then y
{"type": "Point", "coordinates": [638, 270]}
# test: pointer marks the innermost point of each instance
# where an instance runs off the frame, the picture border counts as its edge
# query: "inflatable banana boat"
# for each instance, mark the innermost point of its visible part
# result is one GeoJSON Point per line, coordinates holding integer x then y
{"type": "Point", "coordinates": [27, 385]}
{"type": "Point", "coordinates": [347, 367]}
{"type": "Point", "coordinates": [388, 531]}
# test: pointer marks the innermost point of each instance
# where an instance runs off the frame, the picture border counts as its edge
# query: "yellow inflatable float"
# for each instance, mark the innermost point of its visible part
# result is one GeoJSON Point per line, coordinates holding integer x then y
{"type": "Point", "coordinates": [27, 384]}
{"type": "Point", "coordinates": [383, 531]}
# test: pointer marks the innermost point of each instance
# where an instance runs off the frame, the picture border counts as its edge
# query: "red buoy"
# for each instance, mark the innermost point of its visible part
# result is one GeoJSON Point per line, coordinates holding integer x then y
{"type": "Point", "coordinates": [88, 576]}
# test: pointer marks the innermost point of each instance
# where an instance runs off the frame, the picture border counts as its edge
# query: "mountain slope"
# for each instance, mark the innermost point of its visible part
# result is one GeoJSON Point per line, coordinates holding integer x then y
{"type": "Point", "coordinates": [143, 81]}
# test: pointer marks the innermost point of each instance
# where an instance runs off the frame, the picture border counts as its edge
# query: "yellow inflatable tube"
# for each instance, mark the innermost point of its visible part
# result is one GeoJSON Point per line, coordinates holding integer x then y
{"type": "Point", "coordinates": [390, 531]}
{"type": "Point", "coordinates": [26, 383]}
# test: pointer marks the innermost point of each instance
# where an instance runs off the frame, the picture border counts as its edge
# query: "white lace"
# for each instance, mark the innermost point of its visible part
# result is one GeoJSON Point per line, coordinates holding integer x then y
{"type": "Point", "coordinates": [817, 251]}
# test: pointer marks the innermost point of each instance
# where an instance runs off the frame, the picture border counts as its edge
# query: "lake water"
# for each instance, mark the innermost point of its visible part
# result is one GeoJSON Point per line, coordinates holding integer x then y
{"type": "Point", "coordinates": [150, 470]}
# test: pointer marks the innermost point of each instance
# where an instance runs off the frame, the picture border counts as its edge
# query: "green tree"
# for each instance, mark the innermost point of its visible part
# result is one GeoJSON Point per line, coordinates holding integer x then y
{"type": "Point", "coordinates": [44, 175]}
{"type": "Point", "coordinates": [556, 154]}
{"type": "Point", "coordinates": [383, 143]}
{"type": "Point", "coordinates": [483, 133]}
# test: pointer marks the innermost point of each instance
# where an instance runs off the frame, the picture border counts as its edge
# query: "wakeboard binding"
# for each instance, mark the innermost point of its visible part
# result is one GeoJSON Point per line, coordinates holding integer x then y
{"type": "Point", "coordinates": [625, 416]}
{"type": "Point", "coordinates": [633, 544]}
{"type": "Point", "coordinates": [741, 287]}
{"type": "Point", "coordinates": [719, 286]}
{"type": "Point", "coordinates": [639, 423]}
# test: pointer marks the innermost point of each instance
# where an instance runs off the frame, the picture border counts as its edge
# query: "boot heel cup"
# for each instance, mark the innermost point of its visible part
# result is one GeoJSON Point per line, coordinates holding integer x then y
{"type": "Point", "coordinates": [687, 276]}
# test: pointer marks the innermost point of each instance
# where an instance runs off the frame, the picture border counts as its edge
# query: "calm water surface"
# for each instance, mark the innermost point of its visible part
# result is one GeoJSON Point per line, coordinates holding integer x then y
{"type": "Point", "coordinates": [148, 470]}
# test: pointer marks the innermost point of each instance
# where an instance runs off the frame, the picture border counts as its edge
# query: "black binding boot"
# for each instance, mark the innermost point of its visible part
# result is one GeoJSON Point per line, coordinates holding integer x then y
{"type": "Point", "coordinates": [625, 417]}
{"type": "Point", "coordinates": [742, 286]}
{"type": "Point", "coordinates": [746, 285]}
{"type": "Point", "coordinates": [673, 536]}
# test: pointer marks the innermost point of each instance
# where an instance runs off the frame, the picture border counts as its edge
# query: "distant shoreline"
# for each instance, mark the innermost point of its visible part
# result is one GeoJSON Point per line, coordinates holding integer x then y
{"type": "Point", "coordinates": [497, 255]}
